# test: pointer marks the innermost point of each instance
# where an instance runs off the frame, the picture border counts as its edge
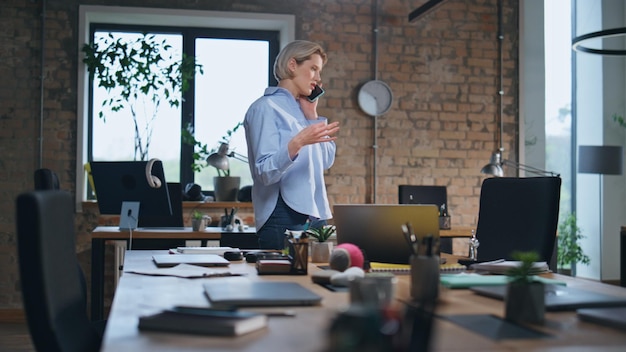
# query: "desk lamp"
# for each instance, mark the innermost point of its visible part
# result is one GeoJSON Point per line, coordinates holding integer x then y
{"type": "Point", "coordinates": [219, 159]}
{"type": "Point", "coordinates": [601, 160]}
{"type": "Point", "coordinates": [494, 167]}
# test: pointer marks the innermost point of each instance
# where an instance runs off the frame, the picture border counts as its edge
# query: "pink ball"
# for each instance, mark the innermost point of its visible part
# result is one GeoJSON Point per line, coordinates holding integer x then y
{"type": "Point", "coordinates": [346, 255]}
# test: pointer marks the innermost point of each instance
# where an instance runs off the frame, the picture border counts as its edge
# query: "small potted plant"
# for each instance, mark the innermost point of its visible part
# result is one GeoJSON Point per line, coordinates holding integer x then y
{"type": "Point", "coordinates": [525, 297]}
{"type": "Point", "coordinates": [321, 247]}
{"type": "Point", "coordinates": [197, 221]}
{"type": "Point", "coordinates": [569, 251]}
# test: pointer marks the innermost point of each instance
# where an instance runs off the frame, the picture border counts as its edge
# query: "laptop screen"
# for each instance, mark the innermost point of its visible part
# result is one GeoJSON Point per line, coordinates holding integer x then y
{"type": "Point", "coordinates": [377, 228]}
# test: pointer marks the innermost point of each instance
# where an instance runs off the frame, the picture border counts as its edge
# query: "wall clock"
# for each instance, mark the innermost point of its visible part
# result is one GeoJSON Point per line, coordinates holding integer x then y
{"type": "Point", "coordinates": [375, 98]}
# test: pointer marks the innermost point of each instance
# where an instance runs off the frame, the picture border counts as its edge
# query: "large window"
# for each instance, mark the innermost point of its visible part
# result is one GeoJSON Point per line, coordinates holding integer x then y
{"type": "Point", "coordinates": [236, 68]}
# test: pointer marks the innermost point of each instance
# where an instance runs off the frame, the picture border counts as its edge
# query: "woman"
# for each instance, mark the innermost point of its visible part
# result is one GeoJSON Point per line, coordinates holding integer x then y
{"type": "Point", "coordinates": [289, 147]}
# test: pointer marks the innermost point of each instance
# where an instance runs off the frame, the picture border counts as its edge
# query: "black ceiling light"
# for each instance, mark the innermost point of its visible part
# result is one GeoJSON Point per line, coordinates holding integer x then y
{"type": "Point", "coordinates": [420, 11]}
{"type": "Point", "coordinates": [577, 43]}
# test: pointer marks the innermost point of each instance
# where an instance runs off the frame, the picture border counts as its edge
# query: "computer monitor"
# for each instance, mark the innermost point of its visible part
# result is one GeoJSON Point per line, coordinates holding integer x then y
{"type": "Point", "coordinates": [115, 182]}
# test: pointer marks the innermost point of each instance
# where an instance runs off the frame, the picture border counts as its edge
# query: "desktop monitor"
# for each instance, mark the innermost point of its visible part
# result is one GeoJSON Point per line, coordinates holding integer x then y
{"type": "Point", "coordinates": [115, 182]}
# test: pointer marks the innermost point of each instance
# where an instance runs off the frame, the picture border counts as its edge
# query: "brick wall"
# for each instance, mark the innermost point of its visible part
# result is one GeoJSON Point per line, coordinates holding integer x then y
{"type": "Point", "coordinates": [440, 131]}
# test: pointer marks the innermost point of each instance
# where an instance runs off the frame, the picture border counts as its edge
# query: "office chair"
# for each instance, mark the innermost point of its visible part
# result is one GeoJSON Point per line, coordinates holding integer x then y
{"type": "Point", "coordinates": [53, 297]}
{"type": "Point", "coordinates": [438, 195]}
{"type": "Point", "coordinates": [518, 214]}
{"type": "Point", "coordinates": [46, 179]}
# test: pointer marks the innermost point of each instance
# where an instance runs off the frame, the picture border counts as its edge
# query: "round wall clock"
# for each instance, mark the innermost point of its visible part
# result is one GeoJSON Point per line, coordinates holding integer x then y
{"type": "Point", "coordinates": [375, 98]}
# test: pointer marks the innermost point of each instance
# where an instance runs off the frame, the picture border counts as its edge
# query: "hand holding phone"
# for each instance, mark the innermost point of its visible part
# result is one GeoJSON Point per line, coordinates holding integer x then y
{"type": "Point", "coordinates": [317, 92]}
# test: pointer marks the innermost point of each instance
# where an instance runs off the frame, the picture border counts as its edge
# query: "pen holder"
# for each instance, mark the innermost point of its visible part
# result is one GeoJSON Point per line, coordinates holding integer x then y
{"type": "Point", "coordinates": [444, 222]}
{"type": "Point", "coordinates": [299, 256]}
{"type": "Point", "coordinates": [424, 278]}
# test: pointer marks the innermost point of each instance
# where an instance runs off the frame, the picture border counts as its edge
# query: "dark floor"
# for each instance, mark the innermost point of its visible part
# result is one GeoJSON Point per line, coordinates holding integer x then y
{"type": "Point", "coordinates": [15, 337]}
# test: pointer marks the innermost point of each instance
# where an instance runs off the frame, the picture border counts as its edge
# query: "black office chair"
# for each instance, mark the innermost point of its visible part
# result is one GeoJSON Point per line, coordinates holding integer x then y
{"type": "Point", "coordinates": [518, 214]}
{"type": "Point", "coordinates": [54, 299]}
{"type": "Point", "coordinates": [421, 194]}
{"type": "Point", "coordinates": [46, 179]}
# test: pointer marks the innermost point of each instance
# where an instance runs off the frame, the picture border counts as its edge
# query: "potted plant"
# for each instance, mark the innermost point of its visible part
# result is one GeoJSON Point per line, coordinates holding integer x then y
{"type": "Point", "coordinates": [225, 186]}
{"type": "Point", "coordinates": [197, 221]}
{"type": "Point", "coordinates": [139, 75]}
{"type": "Point", "coordinates": [569, 251]}
{"type": "Point", "coordinates": [525, 297]}
{"type": "Point", "coordinates": [321, 247]}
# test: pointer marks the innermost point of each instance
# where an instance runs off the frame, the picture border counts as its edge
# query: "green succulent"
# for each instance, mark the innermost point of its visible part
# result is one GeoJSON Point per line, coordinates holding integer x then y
{"type": "Point", "coordinates": [321, 234]}
{"type": "Point", "coordinates": [523, 274]}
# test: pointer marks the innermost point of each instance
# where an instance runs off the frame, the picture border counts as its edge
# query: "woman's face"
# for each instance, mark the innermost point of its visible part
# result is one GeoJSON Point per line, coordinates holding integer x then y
{"type": "Point", "coordinates": [307, 75]}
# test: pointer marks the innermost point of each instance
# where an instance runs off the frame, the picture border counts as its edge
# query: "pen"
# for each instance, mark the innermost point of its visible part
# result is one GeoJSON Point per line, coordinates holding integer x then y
{"type": "Point", "coordinates": [413, 238]}
{"type": "Point", "coordinates": [429, 245]}
{"type": "Point", "coordinates": [407, 237]}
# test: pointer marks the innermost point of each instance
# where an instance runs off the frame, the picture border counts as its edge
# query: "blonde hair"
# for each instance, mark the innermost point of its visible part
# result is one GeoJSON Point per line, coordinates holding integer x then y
{"type": "Point", "coordinates": [299, 50]}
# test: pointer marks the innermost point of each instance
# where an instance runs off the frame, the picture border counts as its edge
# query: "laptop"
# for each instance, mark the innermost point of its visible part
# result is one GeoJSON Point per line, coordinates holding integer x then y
{"type": "Point", "coordinates": [560, 298]}
{"type": "Point", "coordinates": [243, 292]}
{"type": "Point", "coordinates": [613, 317]}
{"type": "Point", "coordinates": [377, 228]}
{"type": "Point", "coordinates": [170, 260]}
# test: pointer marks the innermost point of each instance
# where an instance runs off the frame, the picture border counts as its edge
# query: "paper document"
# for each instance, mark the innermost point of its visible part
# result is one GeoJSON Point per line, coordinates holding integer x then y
{"type": "Point", "coordinates": [185, 271]}
{"type": "Point", "coordinates": [205, 250]}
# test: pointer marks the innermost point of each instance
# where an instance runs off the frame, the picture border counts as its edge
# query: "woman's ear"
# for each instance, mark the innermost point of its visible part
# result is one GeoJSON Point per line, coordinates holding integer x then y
{"type": "Point", "coordinates": [292, 65]}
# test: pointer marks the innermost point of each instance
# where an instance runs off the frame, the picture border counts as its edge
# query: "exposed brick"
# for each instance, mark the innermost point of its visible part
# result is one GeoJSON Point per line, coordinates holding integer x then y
{"type": "Point", "coordinates": [442, 70]}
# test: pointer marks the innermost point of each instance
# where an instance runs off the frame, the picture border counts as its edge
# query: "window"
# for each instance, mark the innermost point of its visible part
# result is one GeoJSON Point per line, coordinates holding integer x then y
{"type": "Point", "coordinates": [217, 100]}
{"type": "Point", "coordinates": [236, 70]}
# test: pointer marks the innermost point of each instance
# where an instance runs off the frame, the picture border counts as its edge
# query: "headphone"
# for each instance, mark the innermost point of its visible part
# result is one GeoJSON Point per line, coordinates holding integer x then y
{"type": "Point", "coordinates": [153, 181]}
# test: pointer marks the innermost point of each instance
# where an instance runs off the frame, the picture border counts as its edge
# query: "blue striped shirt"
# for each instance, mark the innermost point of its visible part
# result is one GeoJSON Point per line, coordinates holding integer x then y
{"type": "Point", "coordinates": [270, 123]}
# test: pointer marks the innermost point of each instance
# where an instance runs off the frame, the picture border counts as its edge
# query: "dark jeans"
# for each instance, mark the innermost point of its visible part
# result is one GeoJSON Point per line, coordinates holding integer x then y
{"type": "Point", "coordinates": [272, 234]}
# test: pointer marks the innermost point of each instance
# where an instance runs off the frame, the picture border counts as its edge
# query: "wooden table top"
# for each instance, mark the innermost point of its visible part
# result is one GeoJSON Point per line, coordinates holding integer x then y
{"type": "Point", "coordinates": [139, 295]}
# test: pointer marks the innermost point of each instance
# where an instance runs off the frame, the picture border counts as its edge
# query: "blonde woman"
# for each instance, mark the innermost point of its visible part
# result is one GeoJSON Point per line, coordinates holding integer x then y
{"type": "Point", "coordinates": [289, 147]}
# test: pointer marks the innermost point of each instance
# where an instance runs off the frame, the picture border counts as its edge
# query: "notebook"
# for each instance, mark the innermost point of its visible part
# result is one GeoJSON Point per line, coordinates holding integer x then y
{"type": "Point", "coordinates": [169, 260]}
{"type": "Point", "coordinates": [561, 298]}
{"type": "Point", "coordinates": [243, 292]}
{"type": "Point", "coordinates": [614, 317]}
{"type": "Point", "coordinates": [376, 228]}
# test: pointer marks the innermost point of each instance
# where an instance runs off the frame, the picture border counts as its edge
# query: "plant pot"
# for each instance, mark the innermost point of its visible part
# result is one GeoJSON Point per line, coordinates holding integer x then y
{"type": "Point", "coordinates": [525, 303]}
{"type": "Point", "coordinates": [320, 251]}
{"type": "Point", "coordinates": [226, 188]}
{"type": "Point", "coordinates": [198, 224]}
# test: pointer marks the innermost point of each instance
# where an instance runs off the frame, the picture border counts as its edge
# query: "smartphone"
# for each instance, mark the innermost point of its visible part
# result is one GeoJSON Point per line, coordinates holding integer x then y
{"type": "Point", "coordinates": [317, 92]}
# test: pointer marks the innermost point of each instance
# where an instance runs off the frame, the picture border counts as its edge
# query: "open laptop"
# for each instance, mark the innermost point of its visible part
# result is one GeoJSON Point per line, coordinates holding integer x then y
{"type": "Point", "coordinates": [560, 298]}
{"type": "Point", "coordinates": [377, 228]}
{"type": "Point", "coordinates": [243, 292]}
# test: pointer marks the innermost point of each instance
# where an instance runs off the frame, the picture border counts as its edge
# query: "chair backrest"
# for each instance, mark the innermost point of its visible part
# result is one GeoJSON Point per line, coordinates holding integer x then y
{"type": "Point", "coordinates": [54, 301]}
{"type": "Point", "coordinates": [46, 179]}
{"type": "Point", "coordinates": [518, 214]}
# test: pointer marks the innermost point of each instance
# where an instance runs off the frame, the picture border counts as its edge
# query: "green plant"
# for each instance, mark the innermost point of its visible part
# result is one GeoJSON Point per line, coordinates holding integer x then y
{"type": "Point", "coordinates": [569, 250]}
{"type": "Point", "coordinates": [321, 234]}
{"type": "Point", "coordinates": [202, 151]}
{"type": "Point", "coordinates": [523, 274]}
{"type": "Point", "coordinates": [619, 119]}
{"type": "Point", "coordinates": [139, 73]}
{"type": "Point", "coordinates": [196, 215]}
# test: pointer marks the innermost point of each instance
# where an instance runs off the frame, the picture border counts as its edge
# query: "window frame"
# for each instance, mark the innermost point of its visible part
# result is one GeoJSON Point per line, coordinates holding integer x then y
{"type": "Point", "coordinates": [145, 17]}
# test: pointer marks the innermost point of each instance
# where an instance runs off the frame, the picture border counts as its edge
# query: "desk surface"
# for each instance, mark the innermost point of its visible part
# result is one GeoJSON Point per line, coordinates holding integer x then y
{"type": "Point", "coordinates": [139, 295]}
{"type": "Point", "coordinates": [113, 232]}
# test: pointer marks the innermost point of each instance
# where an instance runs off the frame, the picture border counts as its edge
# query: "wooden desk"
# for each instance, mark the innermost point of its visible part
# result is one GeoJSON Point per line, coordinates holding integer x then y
{"type": "Point", "coordinates": [103, 233]}
{"type": "Point", "coordinates": [459, 231]}
{"type": "Point", "coordinates": [139, 295]}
